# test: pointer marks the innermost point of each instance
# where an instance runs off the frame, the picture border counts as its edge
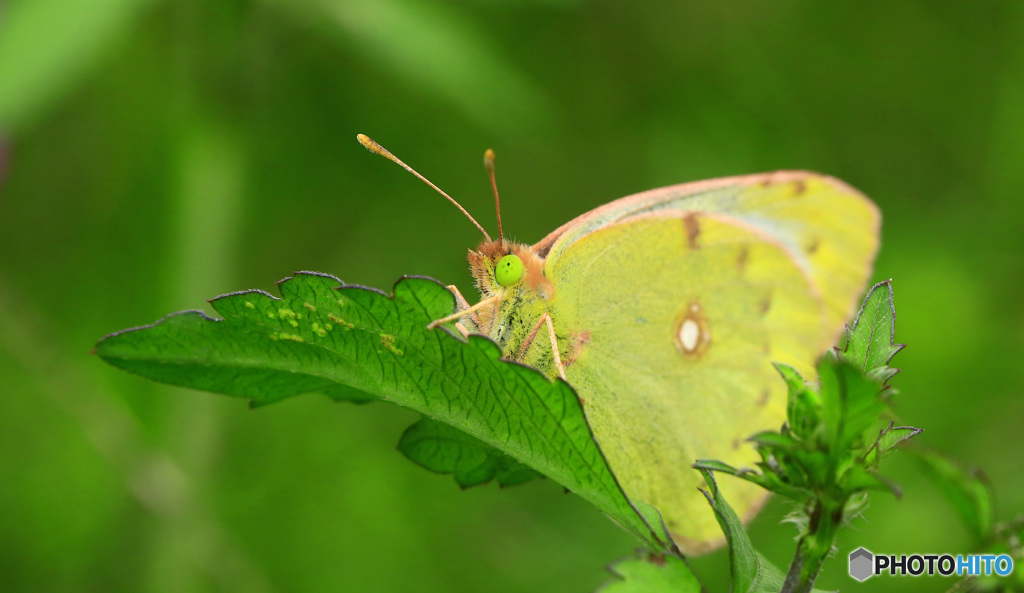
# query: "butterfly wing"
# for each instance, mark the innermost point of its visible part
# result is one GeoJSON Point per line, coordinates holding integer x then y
{"type": "Point", "coordinates": [829, 228]}
{"type": "Point", "coordinates": [669, 319]}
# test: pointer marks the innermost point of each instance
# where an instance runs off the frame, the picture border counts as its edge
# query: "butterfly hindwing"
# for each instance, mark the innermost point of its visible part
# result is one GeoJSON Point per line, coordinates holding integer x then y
{"type": "Point", "coordinates": [668, 322]}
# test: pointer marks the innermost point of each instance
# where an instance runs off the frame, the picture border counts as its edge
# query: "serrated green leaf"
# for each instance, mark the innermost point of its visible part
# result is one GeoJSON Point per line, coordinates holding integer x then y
{"type": "Point", "coordinates": [966, 489]}
{"type": "Point", "coordinates": [871, 340]}
{"type": "Point", "coordinates": [322, 334]}
{"type": "Point", "coordinates": [751, 572]}
{"type": "Point", "coordinates": [443, 449]}
{"type": "Point", "coordinates": [647, 574]}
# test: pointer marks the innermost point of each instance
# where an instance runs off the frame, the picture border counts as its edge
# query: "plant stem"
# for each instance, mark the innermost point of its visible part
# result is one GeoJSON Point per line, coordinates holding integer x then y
{"type": "Point", "coordinates": [815, 545]}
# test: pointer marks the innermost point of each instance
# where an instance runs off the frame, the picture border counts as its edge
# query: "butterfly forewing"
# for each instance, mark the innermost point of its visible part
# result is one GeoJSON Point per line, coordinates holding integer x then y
{"type": "Point", "coordinates": [828, 228]}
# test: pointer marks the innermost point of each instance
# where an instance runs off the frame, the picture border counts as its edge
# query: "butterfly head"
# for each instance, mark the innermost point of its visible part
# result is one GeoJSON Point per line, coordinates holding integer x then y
{"type": "Point", "coordinates": [503, 266]}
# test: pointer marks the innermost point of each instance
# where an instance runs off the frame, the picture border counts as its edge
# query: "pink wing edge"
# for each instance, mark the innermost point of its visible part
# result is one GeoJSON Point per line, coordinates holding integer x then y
{"type": "Point", "coordinates": [693, 187]}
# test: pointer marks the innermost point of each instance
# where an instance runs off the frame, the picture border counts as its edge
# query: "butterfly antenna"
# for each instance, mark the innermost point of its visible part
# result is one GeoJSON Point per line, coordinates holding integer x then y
{"type": "Point", "coordinates": [373, 147]}
{"type": "Point", "coordinates": [489, 164]}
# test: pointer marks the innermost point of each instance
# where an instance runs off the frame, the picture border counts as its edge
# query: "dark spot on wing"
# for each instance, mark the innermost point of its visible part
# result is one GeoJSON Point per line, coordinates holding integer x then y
{"type": "Point", "coordinates": [692, 228]}
{"type": "Point", "coordinates": [765, 304]}
{"type": "Point", "coordinates": [576, 344]}
{"type": "Point", "coordinates": [799, 187]}
{"type": "Point", "coordinates": [741, 259]}
{"type": "Point", "coordinates": [765, 395]}
{"type": "Point", "coordinates": [813, 246]}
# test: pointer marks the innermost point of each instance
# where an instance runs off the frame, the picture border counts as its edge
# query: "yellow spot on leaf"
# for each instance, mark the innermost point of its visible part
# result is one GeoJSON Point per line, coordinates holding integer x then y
{"type": "Point", "coordinates": [286, 313]}
{"type": "Point", "coordinates": [340, 321]}
{"type": "Point", "coordinates": [311, 308]}
{"type": "Point", "coordinates": [389, 343]}
{"type": "Point", "coordinates": [250, 305]}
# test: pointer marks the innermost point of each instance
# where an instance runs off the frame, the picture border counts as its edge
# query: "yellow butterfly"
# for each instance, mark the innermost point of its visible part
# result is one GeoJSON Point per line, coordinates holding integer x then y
{"type": "Point", "coordinates": [665, 309]}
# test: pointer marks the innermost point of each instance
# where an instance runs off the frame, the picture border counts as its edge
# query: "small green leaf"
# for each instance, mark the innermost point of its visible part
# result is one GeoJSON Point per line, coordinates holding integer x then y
{"type": "Point", "coordinates": [443, 449]}
{"type": "Point", "coordinates": [871, 340]}
{"type": "Point", "coordinates": [967, 489]}
{"type": "Point", "coordinates": [858, 478]}
{"type": "Point", "coordinates": [323, 336]}
{"type": "Point", "coordinates": [651, 574]}
{"type": "Point", "coordinates": [653, 517]}
{"type": "Point", "coordinates": [751, 572]}
{"type": "Point", "coordinates": [769, 478]}
{"type": "Point", "coordinates": [888, 439]}
{"type": "Point", "coordinates": [803, 406]}
{"type": "Point", "coordinates": [343, 393]}
{"type": "Point", "coordinates": [851, 403]}
{"type": "Point", "coordinates": [893, 437]}
{"type": "Point", "coordinates": [716, 466]}
{"type": "Point", "coordinates": [774, 440]}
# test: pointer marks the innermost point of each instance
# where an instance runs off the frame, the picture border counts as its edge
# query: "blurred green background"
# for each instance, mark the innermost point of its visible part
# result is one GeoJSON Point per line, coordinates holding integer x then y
{"type": "Point", "coordinates": [157, 154]}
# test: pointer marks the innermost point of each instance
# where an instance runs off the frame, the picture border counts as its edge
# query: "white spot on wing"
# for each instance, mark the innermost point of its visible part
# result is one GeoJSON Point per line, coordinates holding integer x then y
{"type": "Point", "coordinates": [689, 335]}
{"type": "Point", "coordinates": [692, 334]}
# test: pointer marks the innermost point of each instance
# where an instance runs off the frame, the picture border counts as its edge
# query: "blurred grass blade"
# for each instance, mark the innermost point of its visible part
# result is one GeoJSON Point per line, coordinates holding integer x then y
{"type": "Point", "coordinates": [966, 489]}
{"type": "Point", "coordinates": [47, 45]}
{"type": "Point", "coordinates": [463, 67]}
{"type": "Point", "coordinates": [322, 334]}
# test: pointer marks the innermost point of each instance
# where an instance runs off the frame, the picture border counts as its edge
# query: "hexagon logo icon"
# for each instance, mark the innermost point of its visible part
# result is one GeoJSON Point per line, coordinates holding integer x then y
{"type": "Point", "coordinates": [861, 564]}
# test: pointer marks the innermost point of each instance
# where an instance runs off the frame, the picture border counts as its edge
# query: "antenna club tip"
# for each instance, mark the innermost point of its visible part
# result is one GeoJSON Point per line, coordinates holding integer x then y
{"type": "Point", "coordinates": [489, 158]}
{"type": "Point", "coordinates": [369, 143]}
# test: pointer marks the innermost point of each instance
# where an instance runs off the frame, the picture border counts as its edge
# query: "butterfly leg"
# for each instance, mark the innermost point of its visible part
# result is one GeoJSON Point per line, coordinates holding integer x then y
{"type": "Point", "coordinates": [463, 304]}
{"type": "Point", "coordinates": [463, 312]}
{"type": "Point", "coordinates": [544, 319]}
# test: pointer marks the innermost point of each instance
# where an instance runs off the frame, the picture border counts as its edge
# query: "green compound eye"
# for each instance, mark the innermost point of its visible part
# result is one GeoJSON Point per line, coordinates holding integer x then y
{"type": "Point", "coordinates": [509, 270]}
